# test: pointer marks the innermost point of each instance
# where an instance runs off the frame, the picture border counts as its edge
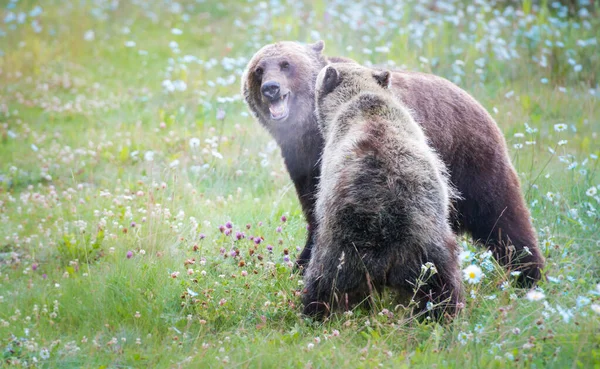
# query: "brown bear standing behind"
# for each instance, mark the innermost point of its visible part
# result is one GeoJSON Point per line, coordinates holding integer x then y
{"type": "Point", "coordinates": [383, 200]}
{"type": "Point", "coordinates": [278, 86]}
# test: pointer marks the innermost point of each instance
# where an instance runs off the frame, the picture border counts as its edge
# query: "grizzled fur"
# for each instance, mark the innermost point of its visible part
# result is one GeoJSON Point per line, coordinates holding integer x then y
{"type": "Point", "coordinates": [383, 200]}
{"type": "Point", "coordinates": [461, 131]}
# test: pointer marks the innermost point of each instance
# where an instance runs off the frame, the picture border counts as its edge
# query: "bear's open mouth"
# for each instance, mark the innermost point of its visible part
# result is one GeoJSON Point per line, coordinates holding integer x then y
{"type": "Point", "coordinates": [279, 107]}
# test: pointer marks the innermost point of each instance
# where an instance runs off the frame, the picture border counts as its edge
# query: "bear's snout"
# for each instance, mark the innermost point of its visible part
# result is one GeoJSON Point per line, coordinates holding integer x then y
{"type": "Point", "coordinates": [270, 90]}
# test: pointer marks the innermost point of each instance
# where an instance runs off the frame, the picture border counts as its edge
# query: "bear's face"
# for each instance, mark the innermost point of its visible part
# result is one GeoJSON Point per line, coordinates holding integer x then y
{"type": "Point", "coordinates": [278, 82]}
{"type": "Point", "coordinates": [337, 84]}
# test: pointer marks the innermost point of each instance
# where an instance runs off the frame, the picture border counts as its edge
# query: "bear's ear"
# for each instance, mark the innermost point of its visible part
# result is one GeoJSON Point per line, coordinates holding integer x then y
{"type": "Point", "coordinates": [330, 80]}
{"type": "Point", "coordinates": [318, 46]}
{"type": "Point", "coordinates": [382, 78]}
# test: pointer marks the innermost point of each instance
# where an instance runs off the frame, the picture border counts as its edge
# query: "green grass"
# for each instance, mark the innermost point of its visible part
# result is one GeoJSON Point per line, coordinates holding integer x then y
{"type": "Point", "coordinates": [78, 118]}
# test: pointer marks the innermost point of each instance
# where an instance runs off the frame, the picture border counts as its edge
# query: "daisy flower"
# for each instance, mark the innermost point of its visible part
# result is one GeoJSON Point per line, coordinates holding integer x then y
{"type": "Point", "coordinates": [560, 127]}
{"type": "Point", "coordinates": [473, 274]}
{"type": "Point", "coordinates": [534, 295]}
{"type": "Point", "coordinates": [463, 338]}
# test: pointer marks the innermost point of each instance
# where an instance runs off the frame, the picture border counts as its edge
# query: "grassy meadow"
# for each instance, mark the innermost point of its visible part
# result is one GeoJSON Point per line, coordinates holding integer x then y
{"type": "Point", "coordinates": [147, 221]}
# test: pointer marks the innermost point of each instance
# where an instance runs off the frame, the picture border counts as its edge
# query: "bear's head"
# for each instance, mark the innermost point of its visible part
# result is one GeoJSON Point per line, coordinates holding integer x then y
{"type": "Point", "coordinates": [278, 83]}
{"type": "Point", "coordinates": [337, 84]}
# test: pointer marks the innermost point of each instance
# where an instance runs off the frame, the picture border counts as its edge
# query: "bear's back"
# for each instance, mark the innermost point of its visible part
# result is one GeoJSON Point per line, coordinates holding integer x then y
{"type": "Point", "coordinates": [383, 187]}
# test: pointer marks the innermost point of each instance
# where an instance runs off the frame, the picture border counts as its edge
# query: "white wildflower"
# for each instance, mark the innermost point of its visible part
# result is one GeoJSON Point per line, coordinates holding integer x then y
{"type": "Point", "coordinates": [560, 127]}
{"type": "Point", "coordinates": [473, 274]}
{"type": "Point", "coordinates": [535, 295]}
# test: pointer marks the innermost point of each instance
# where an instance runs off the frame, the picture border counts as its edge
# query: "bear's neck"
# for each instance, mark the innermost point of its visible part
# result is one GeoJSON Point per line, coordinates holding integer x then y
{"type": "Point", "coordinates": [301, 141]}
{"type": "Point", "coordinates": [301, 146]}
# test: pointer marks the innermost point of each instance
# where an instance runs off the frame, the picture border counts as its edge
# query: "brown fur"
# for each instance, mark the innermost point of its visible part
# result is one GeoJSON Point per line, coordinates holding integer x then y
{"type": "Point", "coordinates": [464, 135]}
{"type": "Point", "coordinates": [383, 201]}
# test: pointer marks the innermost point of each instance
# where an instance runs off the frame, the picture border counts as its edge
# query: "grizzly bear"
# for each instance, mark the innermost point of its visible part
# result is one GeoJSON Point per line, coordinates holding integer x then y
{"type": "Point", "coordinates": [382, 203]}
{"type": "Point", "coordinates": [278, 87]}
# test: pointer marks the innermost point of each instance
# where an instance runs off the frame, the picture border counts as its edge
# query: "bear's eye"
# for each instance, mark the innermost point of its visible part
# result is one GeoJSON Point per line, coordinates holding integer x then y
{"type": "Point", "coordinates": [258, 72]}
{"type": "Point", "coordinates": [285, 65]}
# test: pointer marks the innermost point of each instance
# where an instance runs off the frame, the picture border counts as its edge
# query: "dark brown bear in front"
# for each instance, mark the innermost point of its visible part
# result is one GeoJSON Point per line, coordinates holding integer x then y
{"type": "Point", "coordinates": [278, 86]}
{"type": "Point", "coordinates": [383, 202]}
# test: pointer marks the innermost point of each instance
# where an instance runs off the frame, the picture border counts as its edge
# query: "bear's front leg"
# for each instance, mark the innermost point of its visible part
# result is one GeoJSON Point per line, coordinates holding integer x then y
{"type": "Point", "coordinates": [445, 288]}
{"type": "Point", "coordinates": [318, 287]}
{"type": "Point", "coordinates": [334, 279]}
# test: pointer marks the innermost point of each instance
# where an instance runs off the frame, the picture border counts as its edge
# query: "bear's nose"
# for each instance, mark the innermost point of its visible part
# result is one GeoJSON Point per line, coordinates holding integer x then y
{"type": "Point", "coordinates": [270, 90]}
